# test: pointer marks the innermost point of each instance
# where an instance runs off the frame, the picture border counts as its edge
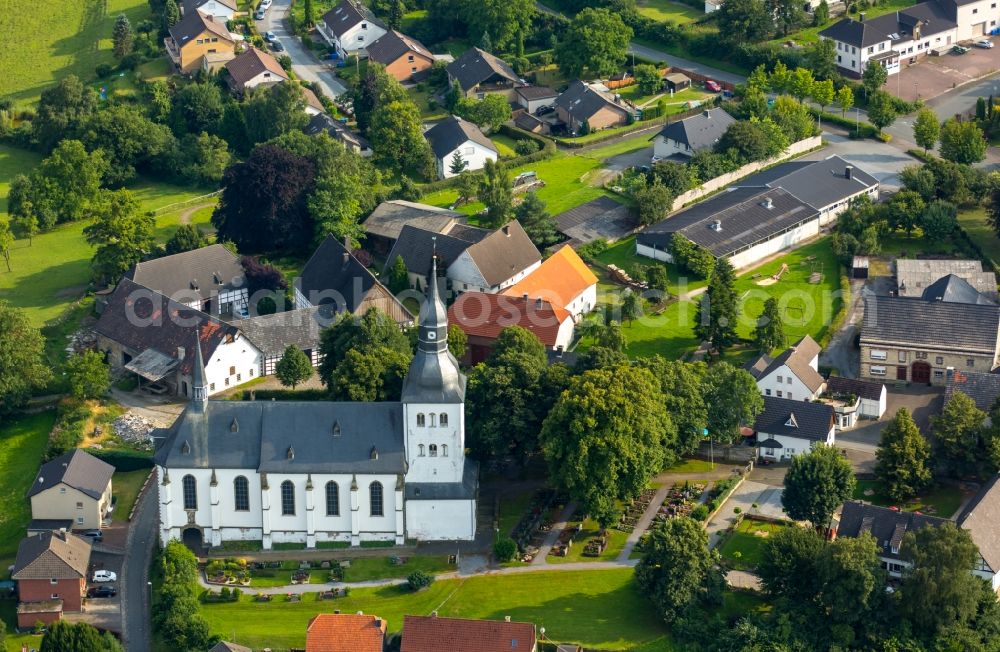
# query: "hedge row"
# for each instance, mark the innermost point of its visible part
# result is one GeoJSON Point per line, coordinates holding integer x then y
{"type": "Point", "coordinates": [124, 460]}
{"type": "Point", "coordinates": [281, 395]}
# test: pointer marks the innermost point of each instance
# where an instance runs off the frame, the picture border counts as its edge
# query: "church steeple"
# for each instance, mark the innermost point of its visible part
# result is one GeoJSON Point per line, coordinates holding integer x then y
{"type": "Point", "coordinates": [199, 393]}
{"type": "Point", "coordinates": [433, 317]}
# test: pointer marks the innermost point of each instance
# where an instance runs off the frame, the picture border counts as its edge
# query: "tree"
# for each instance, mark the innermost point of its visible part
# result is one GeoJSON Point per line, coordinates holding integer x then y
{"type": "Point", "coordinates": [770, 331]}
{"type": "Point", "coordinates": [262, 277]}
{"type": "Point", "coordinates": [187, 237]}
{"type": "Point", "coordinates": [121, 234]}
{"type": "Point", "coordinates": [171, 14]}
{"type": "Point", "coordinates": [64, 188]}
{"type": "Point", "coordinates": [790, 119]}
{"type": "Point", "coordinates": [631, 306]}
{"type": "Point", "coordinates": [802, 83]}
{"type": "Point", "coordinates": [309, 15]}
{"type": "Point", "coordinates": [198, 107]}
{"type": "Point", "coordinates": [496, 192]}
{"type": "Point", "coordinates": [294, 367]}
{"type": "Point", "coordinates": [6, 241]}
{"type": "Point", "coordinates": [787, 565]}
{"type": "Point", "coordinates": [905, 210]}
{"type": "Point", "coordinates": [458, 163]}
{"type": "Point", "coordinates": [816, 484]}
{"type": "Point", "coordinates": [873, 78]}
{"type": "Point", "coordinates": [399, 276]}
{"type": "Point", "coordinates": [458, 341]}
{"type": "Point", "coordinates": [939, 220]}
{"type": "Point", "coordinates": [201, 159]}
{"type": "Point", "coordinates": [505, 549]}
{"type": "Point", "coordinates": [62, 109]}
{"type": "Point", "coordinates": [22, 358]}
{"type": "Point", "coordinates": [647, 77]}
{"type": "Point", "coordinates": [881, 108]}
{"type": "Point", "coordinates": [733, 400]}
{"type": "Point", "coordinates": [677, 572]}
{"type": "Point", "coordinates": [597, 41]}
{"type": "Point", "coordinates": [503, 20]}
{"type": "Point", "coordinates": [788, 15]}
{"type": "Point", "coordinates": [88, 375]}
{"type": "Point", "coordinates": [489, 112]}
{"type": "Point", "coordinates": [822, 91]}
{"type": "Point", "coordinates": [659, 280]}
{"type": "Point", "coordinates": [851, 590]}
{"type": "Point", "coordinates": [717, 319]}
{"type": "Point", "coordinates": [398, 140]}
{"type": "Point", "coordinates": [845, 98]}
{"type": "Point", "coordinates": [684, 387]}
{"type": "Point", "coordinates": [745, 21]}
{"type": "Point", "coordinates": [962, 142]}
{"type": "Point", "coordinates": [394, 16]}
{"type": "Point", "coordinates": [902, 458]}
{"type": "Point", "coordinates": [25, 223]}
{"type": "Point", "coordinates": [536, 221]}
{"type": "Point", "coordinates": [468, 185]}
{"type": "Point", "coordinates": [364, 358]}
{"type": "Point", "coordinates": [272, 111]}
{"type": "Point", "coordinates": [821, 14]}
{"type": "Point", "coordinates": [606, 436]}
{"type": "Point", "coordinates": [122, 37]}
{"type": "Point", "coordinates": [960, 440]}
{"type": "Point", "coordinates": [419, 580]}
{"type": "Point", "coordinates": [653, 201]}
{"type": "Point", "coordinates": [127, 138]}
{"type": "Point", "coordinates": [62, 636]}
{"type": "Point", "coordinates": [926, 128]}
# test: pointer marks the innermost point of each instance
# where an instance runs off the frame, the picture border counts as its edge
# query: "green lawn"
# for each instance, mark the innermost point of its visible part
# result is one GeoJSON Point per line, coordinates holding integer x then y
{"type": "Point", "coordinates": [13, 640]}
{"type": "Point", "coordinates": [620, 146]}
{"type": "Point", "coordinates": [58, 38]}
{"type": "Point", "coordinates": [505, 145]}
{"type": "Point", "coordinates": [748, 540]}
{"type": "Point", "coordinates": [599, 609]}
{"type": "Point", "coordinates": [622, 254]}
{"type": "Point", "coordinates": [126, 486]}
{"type": "Point", "coordinates": [691, 466]}
{"type": "Point", "coordinates": [915, 245]}
{"type": "Point", "coordinates": [616, 541]}
{"type": "Point", "coordinates": [670, 334]}
{"type": "Point", "coordinates": [22, 442]}
{"type": "Point", "coordinates": [939, 501]}
{"type": "Point", "coordinates": [975, 224]}
{"type": "Point", "coordinates": [664, 10]}
{"type": "Point", "coordinates": [512, 508]}
{"type": "Point", "coordinates": [381, 568]}
{"type": "Point", "coordinates": [675, 104]}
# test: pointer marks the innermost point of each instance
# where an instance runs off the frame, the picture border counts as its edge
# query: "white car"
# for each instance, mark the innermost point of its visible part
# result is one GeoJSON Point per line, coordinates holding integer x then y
{"type": "Point", "coordinates": [264, 4]}
{"type": "Point", "coordinates": [104, 576]}
{"type": "Point", "coordinates": [986, 44]}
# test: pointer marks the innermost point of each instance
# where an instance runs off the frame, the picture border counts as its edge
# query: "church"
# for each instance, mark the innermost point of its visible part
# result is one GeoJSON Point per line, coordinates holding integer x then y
{"type": "Point", "coordinates": [317, 472]}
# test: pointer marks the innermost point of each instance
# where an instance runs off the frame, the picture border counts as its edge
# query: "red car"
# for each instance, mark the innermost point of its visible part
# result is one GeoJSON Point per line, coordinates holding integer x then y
{"type": "Point", "coordinates": [712, 86]}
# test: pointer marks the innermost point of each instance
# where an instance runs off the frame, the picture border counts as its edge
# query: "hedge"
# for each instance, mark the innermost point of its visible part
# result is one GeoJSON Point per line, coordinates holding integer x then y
{"type": "Point", "coordinates": [124, 460]}
{"type": "Point", "coordinates": [855, 129]}
{"type": "Point", "coordinates": [921, 155]}
{"type": "Point", "coordinates": [281, 395]}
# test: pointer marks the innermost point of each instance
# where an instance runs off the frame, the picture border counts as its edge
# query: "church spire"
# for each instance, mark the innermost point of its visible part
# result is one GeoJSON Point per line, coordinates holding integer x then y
{"type": "Point", "coordinates": [433, 317]}
{"type": "Point", "coordinates": [199, 395]}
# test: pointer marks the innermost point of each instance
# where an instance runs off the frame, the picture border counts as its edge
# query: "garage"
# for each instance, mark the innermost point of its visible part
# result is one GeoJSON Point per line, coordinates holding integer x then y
{"type": "Point", "coordinates": [979, 29]}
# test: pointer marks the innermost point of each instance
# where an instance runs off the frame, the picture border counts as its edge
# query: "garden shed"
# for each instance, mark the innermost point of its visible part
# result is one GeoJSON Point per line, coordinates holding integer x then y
{"type": "Point", "coordinates": [677, 81]}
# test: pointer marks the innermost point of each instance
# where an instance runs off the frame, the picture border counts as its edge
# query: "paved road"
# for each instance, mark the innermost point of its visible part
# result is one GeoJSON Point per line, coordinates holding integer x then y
{"type": "Point", "coordinates": [305, 65]}
{"type": "Point", "coordinates": [136, 615]}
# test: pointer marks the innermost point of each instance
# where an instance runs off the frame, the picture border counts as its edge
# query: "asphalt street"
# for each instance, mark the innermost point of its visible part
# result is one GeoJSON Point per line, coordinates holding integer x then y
{"type": "Point", "coordinates": [304, 63]}
{"type": "Point", "coordinates": [134, 589]}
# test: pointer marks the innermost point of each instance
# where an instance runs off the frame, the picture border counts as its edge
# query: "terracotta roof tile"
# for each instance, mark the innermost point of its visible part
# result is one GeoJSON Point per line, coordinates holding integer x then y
{"type": "Point", "coordinates": [560, 278]}
{"type": "Point", "coordinates": [433, 634]}
{"type": "Point", "coordinates": [486, 315]}
{"type": "Point", "coordinates": [345, 633]}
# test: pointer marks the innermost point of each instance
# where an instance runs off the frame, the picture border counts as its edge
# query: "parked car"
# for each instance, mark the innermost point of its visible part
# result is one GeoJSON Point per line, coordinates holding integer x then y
{"type": "Point", "coordinates": [960, 49]}
{"type": "Point", "coordinates": [259, 14]}
{"type": "Point", "coordinates": [277, 46]}
{"type": "Point", "coordinates": [96, 535]}
{"type": "Point", "coordinates": [712, 86]}
{"type": "Point", "coordinates": [984, 43]}
{"type": "Point", "coordinates": [264, 4]}
{"type": "Point", "coordinates": [104, 591]}
{"type": "Point", "coordinates": [104, 576]}
{"type": "Point", "coordinates": [542, 110]}
{"type": "Point", "coordinates": [270, 37]}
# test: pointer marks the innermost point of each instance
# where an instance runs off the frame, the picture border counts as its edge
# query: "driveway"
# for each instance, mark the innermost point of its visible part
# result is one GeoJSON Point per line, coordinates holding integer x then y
{"type": "Point", "coordinates": [766, 497]}
{"type": "Point", "coordinates": [103, 613]}
{"type": "Point", "coordinates": [304, 63]}
{"type": "Point", "coordinates": [931, 76]}
{"type": "Point", "coordinates": [881, 160]}
{"type": "Point", "coordinates": [923, 402]}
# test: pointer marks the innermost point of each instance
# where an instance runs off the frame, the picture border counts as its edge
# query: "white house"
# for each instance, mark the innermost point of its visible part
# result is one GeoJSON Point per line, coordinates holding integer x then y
{"type": "Point", "coordinates": [691, 135]}
{"type": "Point", "coordinates": [320, 471]}
{"type": "Point", "coordinates": [788, 427]}
{"type": "Point", "coordinates": [793, 375]}
{"type": "Point", "coordinates": [980, 518]}
{"type": "Point", "coordinates": [209, 279]}
{"type": "Point", "coordinates": [453, 137]}
{"type": "Point", "coordinates": [222, 10]}
{"type": "Point", "coordinates": [532, 98]}
{"type": "Point", "coordinates": [564, 280]}
{"type": "Point", "coordinates": [350, 27]}
{"type": "Point", "coordinates": [854, 399]}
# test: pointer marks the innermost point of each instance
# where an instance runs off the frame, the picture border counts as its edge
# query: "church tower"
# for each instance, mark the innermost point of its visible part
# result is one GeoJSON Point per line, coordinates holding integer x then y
{"type": "Point", "coordinates": [434, 399]}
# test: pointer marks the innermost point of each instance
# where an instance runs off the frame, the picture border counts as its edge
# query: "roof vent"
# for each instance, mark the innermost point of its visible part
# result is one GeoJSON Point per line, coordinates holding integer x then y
{"type": "Point", "coordinates": [768, 203]}
{"type": "Point", "coordinates": [849, 172]}
{"type": "Point", "coordinates": [217, 278]}
{"type": "Point", "coordinates": [707, 114]}
{"type": "Point", "coordinates": [374, 454]}
{"type": "Point", "coordinates": [716, 225]}
{"type": "Point", "coordinates": [290, 453]}
{"type": "Point", "coordinates": [506, 619]}
{"type": "Point", "coordinates": [194, 284]}
{"type": "Point", "coordinates": [336, 428]}
{"type": "Point", "coordinates": [185, 448]}
{"type": "Point", "coordinates": [234, 426]}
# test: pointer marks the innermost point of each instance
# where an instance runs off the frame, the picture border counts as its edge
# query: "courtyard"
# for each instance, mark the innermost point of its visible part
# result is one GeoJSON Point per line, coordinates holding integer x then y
{"type": "Point", "coordinates": [931, 76]}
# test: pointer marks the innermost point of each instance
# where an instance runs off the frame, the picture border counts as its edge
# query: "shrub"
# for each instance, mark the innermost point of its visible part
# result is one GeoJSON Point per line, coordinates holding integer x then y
{"type": "Point", "coordinates": [104, 70]}
{"type": "Point", "coordinates": [593, 249]}
{"type": "Point", "coordinates": [419, 580]}
{"type": "Point", "coordinates": [130, 61]}
{"type": "Point", "coordinates": [525, 147]}
{"type": "Point", "coordinates": [505, 549]}
{"type": "Point", "coordinates": [700, 513]}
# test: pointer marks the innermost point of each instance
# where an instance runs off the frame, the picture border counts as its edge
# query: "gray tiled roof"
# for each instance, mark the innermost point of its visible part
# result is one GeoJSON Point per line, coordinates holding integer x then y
{"type": "Point", "coordinates": [758, 365]}
{"type": "Point", "coordinates": [797, 358]}
{"type": "Point", "coordinates": [288, 437]}
{"type": "Point", "coordinates": [322, 123]}
{"type": "Point", "coordinates": [955, 289]}
{"type": "Point", "coordinates": [333, 275]}
{"type": "Point", "coordinates": [449, 134]}
{"type": "Point", "coordinates": [464, 490]}
{"type": "Point", "coordinates": [226, 646]}
{"type": "Point", "coordinates": [895, 26]}
{"type": "Point", "coordinates": [77, 469]}
{"type": "Point", "coordinates": [194, 24]}
{"type": "Point", "coordinates": [389, 218]}
{"type": "Point", "coordinates": [536, 92]}
{"type": "Point", "coordinates": [503, 253]}
{"type": "Point", "coordinates": [477, 66]}
{"type": "Point", "coordinates": [700, 131]}
{"type": "Point", "coordinates": [191, 274]}
{"type": "Point", "coordinates": [886, 525]}
{"type": "Point", "coordinates": [582, 101]}
{"type": "Point", "coordinates": [393, 45]}
{"type": "Point", "coordinates": [49, 555]}
{"type": "Point", "coordinates": [912, 322]}
{"type": "Point", "coordinates": [272, 334]}
{"type": "Point", "coordinates": [982, 388]}
{"type": "Point", "coordinates": [981, 517]}
{"type": "Point", "coordinates": [346, 15]}
{"type": "Point", "coordinates": [817, 183]}
{"type": "Point", "coordinates": [914, 276]}
{"type": "Point", "coordinates": [814, 420]}
{"type": "Point", "coordinates": [866, 389]}
{"type": "Point", "coordinates": [416, 246]}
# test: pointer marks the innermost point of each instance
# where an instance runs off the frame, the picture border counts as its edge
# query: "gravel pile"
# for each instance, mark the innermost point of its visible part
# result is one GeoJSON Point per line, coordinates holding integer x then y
{"type": "Point", "coordinates": [133, 428]}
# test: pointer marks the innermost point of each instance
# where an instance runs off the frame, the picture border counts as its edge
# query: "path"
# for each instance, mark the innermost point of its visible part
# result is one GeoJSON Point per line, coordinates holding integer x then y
{"type": "Point", "coordinates": [541, 559]}
{"type": "Point", "coordinates": [304, 63]}
{"type": "Point", "coordinates": [185, 216]}
{"type": "Point", "coordinates": [134, 587]}
{"type": "Point", "coordinates": [643, 523]}
{"type": "Point", "coordinates": [160, 409]}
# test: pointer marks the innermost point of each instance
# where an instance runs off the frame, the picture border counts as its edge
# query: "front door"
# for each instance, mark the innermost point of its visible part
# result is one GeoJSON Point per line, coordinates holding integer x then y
{"type": "Point", "coordinates": [901, 372]}
{"type": "Point", "coordinates": [921, 372]}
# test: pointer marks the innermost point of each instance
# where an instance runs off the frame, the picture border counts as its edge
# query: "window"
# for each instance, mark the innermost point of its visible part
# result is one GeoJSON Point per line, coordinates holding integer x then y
{"type": "Point", "coordinates": [409, 58]}
{"type": "Point", "coordinates": [251, 373]}
{"type": "Point", "coordinates": [975, 11]}
{"type": "Point", "coordinates": [789, 380]}
{"type": "Point", "coordinates": [232, 371]}
{"type": "Point", "coordinates": [779, 393]}
{"type": "Point", "coordinates": [443, 420]}
{"type": "Point", "coordinates": [200, 41]}
{"type": "Point", "coordinates": [375, 498]}
{"type": "Point", "coordinates": [55, 596]}
{"type": "Point", "coordinates": [53, 581]}
{"type": "Point", "coordinates": [215, 39]}
{"type": "Point", "coordinates": [190, 491]}
{"type": "Point", "coordinates": [877, 370]}
{"type": "Point", "coordinates": [239, 377]}
{"type": "Point", "coordinates": [879, 355]}
{"type": "Point", "coordinates": [241, 494]}
{"type": "Point", "coordinates": [433, 449]}
{"type": "Point", "coordinates": [871, 50]}
{"type": "Point", "coordinates": [211, 387]}
{"type": "Point", "coordinates": [444, 450]}
{"type": "Point", "coordinates": [287, 498]}
{"type": "Point", "coordinates": [939, 360]}
{"type": "Point", "coordinates": [413, 69]}
{"type": "Point", "coordinates": [854, 50]}
{"type": "Point", "coordinates": [364, 25]}
{"type": "Point", "coordinates": [901, 356]}
{"type": "Point", "coordinates": [767, 392]}
{"type": "Point", "coordinates": [433, 419]}
{"type": "Point", "coordinates": [780, 379]}
{"type": "Point", "coordinates": [79, 505]}
{"type": "Point", "coordinates": [227, 381]}
{"type": "Point", "coordinates": [332, 499]}
{"type": "Point", "coordinates": [969, 362]}
{"type": "Point", "coordinates": [79, 520]}
{"type": "Point", "coordinates": [938, 374]}
{"type": "Point", "coordinates": [62, 490]}
{"type": "Point", "coordinates": [881, 46]}
{"type": "Point", "coordinates": [840, 59]}
{"type": "Point", "coordinates": [470, 150]}
{"type": "Point", "coordinates": [788, 395]}
{"type": "Point", "coordinates": [420, 447]}
{"type": "Point", "coordinates": [361, 37]}
{"type": "Point", "coordinates": [420, 420]}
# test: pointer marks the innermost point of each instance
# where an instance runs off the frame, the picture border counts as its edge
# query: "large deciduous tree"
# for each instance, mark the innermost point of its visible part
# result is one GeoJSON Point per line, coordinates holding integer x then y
{"type": "Point", "coordinates": [939, 220]}
{"type": "Point", "coordinates": [653, 201]}
{"type": "Point", "coordinates": [683, 386]}
{"type": "Point", "coordinates": [364, 358]}
{"type": "Point", "coordinates": [496, 192]}
{"type": "Point", "coordinates": [926, 128]}
{"type": "Point", "coordinates": [873, 78]}
{"type": "Point", "coordinates": [128, 139]}
{"type": "Point", "coordinates": [606, 436]}
{"type": "Point", "coordinates": [506, 21]}
{"type": "Point", "coordinates": [22, 358]}
{"type": "Point", "coordinates": [294, 367]}
{"type": "Point", "coordinates": [881, 109]}
{"type": "Point", "coordinates": [961, 442]}
{"type": "Point", "coordinates": [733, 400]}
{"type": "Point", "coordinates": [903, 458]}
{"type": "Point", "coordinates": [122, 234]}
{"type": "Point", "coordinates": [65, 187]}
{"type": "Point", "coordinates": [88, 375]}
{"type": "Point", "coordinates": [63, 636]}
{"type": "Point", "coordinates": [272, 111]}
{"type": "Point", "coordinates": [61, 111]}
{"type": "Point", "coordinates": [816, 484]}
{"type": "Point", "coordinates": [787, 565]}
{"type": "Point", "coordinates": [717, 314]}
{"type": "Point", "coordinates": [398, 140]}
{"type": "Point", "coordinates": [962, 142]}
{"type": "Point", "coordinates": [745, 21]}
{"type": "Point", "coordinates": [596, 41]}
{"type": "Point", "coordinates": [197, 107]}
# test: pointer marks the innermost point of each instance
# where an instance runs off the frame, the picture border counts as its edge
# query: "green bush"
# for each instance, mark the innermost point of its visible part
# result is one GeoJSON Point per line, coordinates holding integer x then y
{"type": "Point", "coordinates": [700, 513]}
{"type": "Point", "coordinates": [418, 580]}
{"type": "Point", "coordinates": [104, 71]}
{"type": "Point", "coordinates": [524, 147]}
{"type": "Point", "coordinates": [505, 549]}
{"type": "Point", "coordinates": [125, 460]}
{"type": "Point", "coordinates": [593, 249]}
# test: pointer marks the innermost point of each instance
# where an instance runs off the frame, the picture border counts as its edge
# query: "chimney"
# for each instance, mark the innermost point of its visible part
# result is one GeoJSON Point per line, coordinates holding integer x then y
{"type": "Point", "coordinates": [863, 16]}
{"type": "Point", "coordinates": [434, 614]}
{"type": "Point", "coordinates": [849, 172]}
{"type": "Point", "coordinates": [716, 225]}
{"type": "Point", "coordinates": [378, 623]}
{"type": "Point", "coordinates": [506, 619]}
{"type": "Point", "coordinates": [707, 114]}
{"type": "Point", "coordinates": [506, 230]}
{"type": "Point", "coordinates": [768, 203]}
{"type": "Point", "coordinates": [180, 353]}
{"type": "Point", "coordinates": [525, 296]}
{"type": "Point", "coordinates": [538, 303]}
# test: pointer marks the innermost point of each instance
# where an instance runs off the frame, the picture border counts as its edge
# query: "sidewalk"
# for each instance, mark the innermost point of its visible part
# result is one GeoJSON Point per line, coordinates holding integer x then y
{"type": "Point", "coordinates": [541, 559]}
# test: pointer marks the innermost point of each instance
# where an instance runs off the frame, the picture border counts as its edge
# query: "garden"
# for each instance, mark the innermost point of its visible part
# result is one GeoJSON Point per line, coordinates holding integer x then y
{"type": "Point", "coordinates": [744, 544]}
{"type": "Point", "coordinates": [535, 522]}
{"type": "Point", "coordinates": [942, 501]}
{"type": "Point", "coordinates": [584, 539]}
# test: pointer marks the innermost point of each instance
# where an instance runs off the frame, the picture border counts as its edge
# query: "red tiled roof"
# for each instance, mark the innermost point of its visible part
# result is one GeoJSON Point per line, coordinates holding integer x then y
{"type": "Point", "coordinates": [486, 315]}
{"type": "Point", "coordinates": [433, 634]}
{"type": "Point", "coordinates": [345, 633]}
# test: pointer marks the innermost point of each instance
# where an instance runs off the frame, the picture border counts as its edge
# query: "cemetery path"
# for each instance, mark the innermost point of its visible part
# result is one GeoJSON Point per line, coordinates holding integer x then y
{"type": "Point", "coordinates": [643, 523]}
{"type": "Point", "coordinates": [541, 559]}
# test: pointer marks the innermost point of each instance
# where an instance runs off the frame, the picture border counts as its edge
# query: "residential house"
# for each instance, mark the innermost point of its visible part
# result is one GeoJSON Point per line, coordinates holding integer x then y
{"type": "Point", "coordinates": [345, 633]}
{"type": "Point", "coordinates": [195, 37]}
{"type": "Point", "coordinates": [483, 317]}
{"type": "Point", "coordinates": [474, 259]}
{"type": "Point", "coordinates": [912, 339]}
{"type": "Point", "coordinates": [209, 279]}
{"type": "Point", "coordinates": [564, 280]}
{"type": "Point", "coordinates": [312, 472]}
{"type": "Point", "coordinates": [788, 427]}
{"type": "Point", "coordinates": [349, 28]}
{"type": "Point", "coordinates": [383, 226]}
{"type": "Point", "coordinates": [980, 386]}
{"type": "Point", "coordinates": [322, 123]}
{"type": "Point", "coordinates": [743, 225]}
{"type": "Point", "coordinates": [404, 57]}
{"type": "Point", "coordinates": [479, 73]}
{"type": "Point", "coordinates": [313, 106]}
{"type": "Point", "coordinates": [51, 575]}
{"type": "Point", "coordinates": [221, 10]}
{"type": "Point", "coordinates": [147, 333]}
{"type": "Point", "coordinates": [582, 104]}
{"type": "Point", "coordinates": [74, 487]}
{"type": "Point", "coordinates": [333, 276]}
{"type": "Point", "coordinates": [433, 634]}
{"type": "Point", "coordinates": [453, 137]}
{"type": "Point", "coordinates": [253, 68]}
{"type": "Point", "coordinates": [853, 399]}
{"type": "Point", "coordinates": [274, 333]}
{"type": "Point", "coordinates": [532, 98]}
{"type": "Point", "coordinates": [980, 517]}
{"type": "Point", "coordinates": [793, 375]}
{"type": "Point", "coordinates": [691, 135]}
{"type": "Point", "coordinates": [903, 34]}
{"type": "Point", "coordinates": [829, 185]}
{"type": "Point", "coordinates": [915, 277]}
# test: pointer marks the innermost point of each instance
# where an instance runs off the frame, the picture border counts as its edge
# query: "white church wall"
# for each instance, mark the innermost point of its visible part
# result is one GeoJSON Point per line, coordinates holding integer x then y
{"type": "Point", "coordinates": [441, 520]}
{"type": "Point", "coordinates": [425, 467]}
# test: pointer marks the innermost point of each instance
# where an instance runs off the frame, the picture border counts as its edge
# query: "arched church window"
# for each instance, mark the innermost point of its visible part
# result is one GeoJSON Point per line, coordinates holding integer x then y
{"type": "Point", "coordinates": [287, 498]}
{"type": "Point", "coordinates": [444, 450]}
{"type": "Point", "coordinates": [241, 493]}
{"type": "Point", "coordinates": [332, 499]}
{"type": "Point", "coordinates": [444, 420]}
{"type": "Point", "coordinates": [420, 420]}
{"type": "Point", "coordinates": [420, 447]}
{"type": "Point", "coordinates": [375, 498]}
{"type": "Point", "coordinates": [433, 418]}
{"type": "Point", "coordinates": [433, 450]}
{"type": "Point", "coordinates": [190, 492]}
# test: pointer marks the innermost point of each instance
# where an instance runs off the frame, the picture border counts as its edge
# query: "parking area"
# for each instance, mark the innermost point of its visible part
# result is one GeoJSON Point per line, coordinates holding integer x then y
{"type": "Point", "coordinates": [102, 613]}
{"type": "Point", "coordinates": [923, 402]}
{"type": "Point", "coordinates": [931, 76]}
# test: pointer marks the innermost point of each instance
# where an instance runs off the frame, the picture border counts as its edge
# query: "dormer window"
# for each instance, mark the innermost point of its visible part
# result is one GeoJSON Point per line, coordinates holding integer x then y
{"type": "Point", "coordinates": [791, 423]}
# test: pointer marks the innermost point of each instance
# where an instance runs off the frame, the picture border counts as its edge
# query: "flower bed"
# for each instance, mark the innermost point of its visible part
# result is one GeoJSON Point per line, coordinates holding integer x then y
{"type": "Point", "coordinates": [228, 571]}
